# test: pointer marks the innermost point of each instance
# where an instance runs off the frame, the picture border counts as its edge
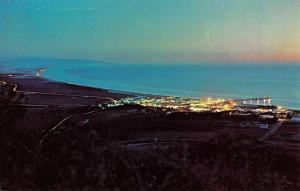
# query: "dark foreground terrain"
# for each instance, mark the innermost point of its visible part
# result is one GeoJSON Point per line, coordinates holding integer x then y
{"type": "Point", "coordinates": [54, 137]}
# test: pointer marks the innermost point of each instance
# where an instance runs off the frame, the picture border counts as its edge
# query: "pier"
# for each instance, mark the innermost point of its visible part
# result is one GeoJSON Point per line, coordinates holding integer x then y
{"type": "Point", "coordinates": [254, 101]}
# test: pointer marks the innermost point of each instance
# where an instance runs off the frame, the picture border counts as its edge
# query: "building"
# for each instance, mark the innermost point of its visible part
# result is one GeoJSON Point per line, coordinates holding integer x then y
{"type": "Point", "coordinates": [263, 126]}
{"type": "Point", "coordinates": [295, 119]}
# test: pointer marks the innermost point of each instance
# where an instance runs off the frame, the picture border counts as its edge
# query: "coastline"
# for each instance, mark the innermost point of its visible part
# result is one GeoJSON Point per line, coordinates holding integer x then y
{"type": "Point", "coordinates": [175, 81]}
{"type": "Point", "coordinates": [40, 90]}
{"type": "Point", "coordinates": [35, 82]}
{"type": "Point", "coordinates": [62, 121]}
{"type": "Point", "coordinates": [74, 93]}
{"type": "Point", "coordinates": [166, 80]}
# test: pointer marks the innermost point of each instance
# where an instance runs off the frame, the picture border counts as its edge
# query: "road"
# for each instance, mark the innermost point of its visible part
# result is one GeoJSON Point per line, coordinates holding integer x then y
{"type": "Point", "coordinates": [57, 127]}
{"type": "Point", "coordinates": [47, 105]}
{"type": "Point", "coordinates": [15, 89]}
{"type": "Point", "coordinates": [271, 132]}
{"type": "Point", "coordinates": [63, 121]}
{"type": "Point", "coordinates": [65, 95]}
{"type": "Point", "coordinates": [47, 135]}
{"type": "Point", "coordinates": [156, 140]}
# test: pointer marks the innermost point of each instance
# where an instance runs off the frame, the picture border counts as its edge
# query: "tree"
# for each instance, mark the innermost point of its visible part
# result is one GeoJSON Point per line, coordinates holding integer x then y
{"type": "Point", "coordinates": [10, 105]}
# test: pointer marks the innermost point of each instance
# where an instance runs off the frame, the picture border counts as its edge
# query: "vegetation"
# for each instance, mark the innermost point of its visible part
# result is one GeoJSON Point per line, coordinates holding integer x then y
{"type": "Point", "coordinates": [221, 163]}
{"type": "Point", "coordinates": [10, 109]}
{"type": "Point", "coordinates": [86, 156]}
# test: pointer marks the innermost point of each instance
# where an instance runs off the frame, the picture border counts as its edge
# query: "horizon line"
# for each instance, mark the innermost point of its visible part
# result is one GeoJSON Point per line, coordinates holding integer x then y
{"type": "Point", "coordinates": [179, 61]}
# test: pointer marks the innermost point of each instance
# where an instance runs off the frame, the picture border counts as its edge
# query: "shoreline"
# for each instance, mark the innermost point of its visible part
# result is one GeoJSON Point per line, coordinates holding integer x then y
{"type": "Point", "coordinates": [42, 91]}
{"type": "Point", "coordinates": [151, 91]}
{"type": "Point", "coordinates": [61, 123]}
{"type": "Point", "coordinates": [55, 72]}
{"type": "Point", "coordinates": [36, 83]}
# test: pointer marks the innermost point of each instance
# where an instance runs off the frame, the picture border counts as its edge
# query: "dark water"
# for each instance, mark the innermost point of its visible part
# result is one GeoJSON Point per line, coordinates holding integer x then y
{"type": "Point", "coordinates": [280, 81]}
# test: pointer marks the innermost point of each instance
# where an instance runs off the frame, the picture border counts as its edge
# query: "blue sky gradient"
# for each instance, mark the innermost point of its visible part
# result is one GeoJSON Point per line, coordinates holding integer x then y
{"type": "Point", "coordinates": [151, 30]}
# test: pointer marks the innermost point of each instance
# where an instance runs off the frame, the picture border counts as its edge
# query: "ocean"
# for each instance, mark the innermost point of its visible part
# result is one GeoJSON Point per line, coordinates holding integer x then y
{"type": "Point", "coordinates": [280, 81]}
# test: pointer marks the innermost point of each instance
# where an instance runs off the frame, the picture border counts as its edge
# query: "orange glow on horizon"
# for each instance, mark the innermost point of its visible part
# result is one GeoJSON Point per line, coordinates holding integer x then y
{"type": "Point", "coordinates": [287, 57]}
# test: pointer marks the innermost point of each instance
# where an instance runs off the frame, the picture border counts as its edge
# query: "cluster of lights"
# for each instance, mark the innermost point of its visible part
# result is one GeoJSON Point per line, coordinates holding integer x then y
{"type": "Point", "coordinates": [184, 104]}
